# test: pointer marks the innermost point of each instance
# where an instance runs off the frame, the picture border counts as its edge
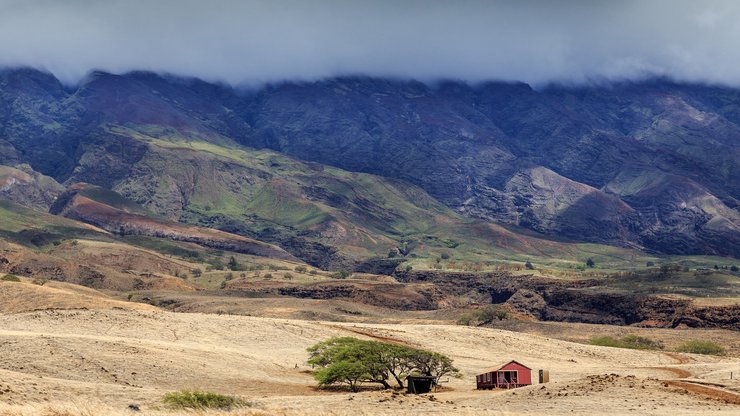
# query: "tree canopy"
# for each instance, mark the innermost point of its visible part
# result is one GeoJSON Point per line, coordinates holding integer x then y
{"type": "Point", "coordinates": [351, 361]}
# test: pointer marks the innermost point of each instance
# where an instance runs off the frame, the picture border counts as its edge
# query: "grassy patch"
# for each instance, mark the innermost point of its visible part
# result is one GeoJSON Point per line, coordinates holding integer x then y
{"type": "Point", "coordinates": [165, 246]}
{"type": "Point", "coordinates": [634, 342]}
{"type": "Point", "coordinates": [674, 278]}
{"type": "Point", "coordinates": [484, 316]}
{"type": "Point", "coordinates": [701, 347]}
{"type": "Point", "coordinates": [10, 278]}
{"type": "Point", "coordinates": [35, 229]}
{"type": "Point", "coordinates": [115, 200]}
{"type": "Point", "coordinates": [187, 399]}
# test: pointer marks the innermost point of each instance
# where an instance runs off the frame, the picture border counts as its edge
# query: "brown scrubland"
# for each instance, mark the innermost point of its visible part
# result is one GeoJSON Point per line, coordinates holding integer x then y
{"type": "Point", "coordinates": [70, 350]}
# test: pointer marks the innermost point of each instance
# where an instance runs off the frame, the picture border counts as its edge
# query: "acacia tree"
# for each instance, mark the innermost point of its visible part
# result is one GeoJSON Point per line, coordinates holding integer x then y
{"type": "Point", "coordinates": [349, 372]}
{"type": "Point", "coordinates": [399, 362]}
{"type": "Point", "coordinates": [434, 364]}
{"type": "Point", "coordinates": [347, 360]}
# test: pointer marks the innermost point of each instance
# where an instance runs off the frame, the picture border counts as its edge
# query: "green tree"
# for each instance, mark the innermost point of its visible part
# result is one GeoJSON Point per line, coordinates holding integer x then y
{"type": "Point", "coordinates": [233, 264]}
{"type": "Point", "coordinates": [484, 316]}
{"type": "Point", "coordinates": [399, 362]}
{"type": "Point", "coordinates": [590, 262]}
{"type": "Point", "coordinates": [433, 364]}
{"type": "Point", "coordinates": [350, 361]}
{"type": "Point", "coordinates": [342, 274]}
{"type": "Point", "coordinates": [349, 372]}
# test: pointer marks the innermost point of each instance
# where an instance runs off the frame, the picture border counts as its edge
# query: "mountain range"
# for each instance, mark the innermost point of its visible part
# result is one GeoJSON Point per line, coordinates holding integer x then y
{"type": "Point", "coordinates": [340, 170]}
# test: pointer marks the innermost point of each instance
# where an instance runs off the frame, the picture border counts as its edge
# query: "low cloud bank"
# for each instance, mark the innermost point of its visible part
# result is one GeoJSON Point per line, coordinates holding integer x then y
{"type": "Point", "coordinates": [250, 42]}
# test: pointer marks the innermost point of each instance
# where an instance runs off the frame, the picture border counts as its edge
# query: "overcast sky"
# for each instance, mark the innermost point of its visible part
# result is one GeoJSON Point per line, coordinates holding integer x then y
{"type": "Point", "coordinates": [256, 41]}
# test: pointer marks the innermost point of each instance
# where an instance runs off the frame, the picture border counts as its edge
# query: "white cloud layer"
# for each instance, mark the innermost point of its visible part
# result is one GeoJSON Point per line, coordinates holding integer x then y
{"type": "Point", "coordinates": [256, 41]}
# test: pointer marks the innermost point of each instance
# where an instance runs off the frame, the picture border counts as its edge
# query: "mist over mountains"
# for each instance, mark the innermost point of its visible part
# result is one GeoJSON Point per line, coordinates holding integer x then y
{"type": "Point", "coordinates": [253, 42]}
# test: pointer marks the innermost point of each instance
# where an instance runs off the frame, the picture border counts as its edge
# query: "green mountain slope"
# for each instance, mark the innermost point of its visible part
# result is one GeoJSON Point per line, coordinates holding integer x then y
{"type": "Point", "coordinates": [332, 218]}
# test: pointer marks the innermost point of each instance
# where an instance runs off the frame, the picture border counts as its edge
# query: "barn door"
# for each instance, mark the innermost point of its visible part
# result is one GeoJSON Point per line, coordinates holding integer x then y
{"type": "Point", "coordinates": [514, 377]}
{"type": "Point", "coordinates": [501, 378]}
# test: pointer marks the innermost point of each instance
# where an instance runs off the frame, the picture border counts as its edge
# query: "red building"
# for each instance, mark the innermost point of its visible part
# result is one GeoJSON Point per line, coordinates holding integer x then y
{"type": "Point", "coordinates": [507, 376]}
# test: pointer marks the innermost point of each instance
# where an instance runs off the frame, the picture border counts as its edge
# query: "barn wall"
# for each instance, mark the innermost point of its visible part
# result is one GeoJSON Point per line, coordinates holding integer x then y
{"type": "Point", "coordinates": [525, 374]}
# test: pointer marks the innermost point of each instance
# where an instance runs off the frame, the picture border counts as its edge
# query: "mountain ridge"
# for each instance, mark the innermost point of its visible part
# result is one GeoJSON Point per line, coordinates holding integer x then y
{"type": "Point", "coordinates": [652, 165]}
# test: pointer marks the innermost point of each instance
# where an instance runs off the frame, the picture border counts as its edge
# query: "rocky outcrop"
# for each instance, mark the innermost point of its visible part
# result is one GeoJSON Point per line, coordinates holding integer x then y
{"type": "Point", "coordinates": [388, 295]}
{"type": "Point", "coordinates": [711, 316]}
{"type": "Point", "coordinates": [580, 301]}
{"type": "Point", "coordinates": [26, 187]}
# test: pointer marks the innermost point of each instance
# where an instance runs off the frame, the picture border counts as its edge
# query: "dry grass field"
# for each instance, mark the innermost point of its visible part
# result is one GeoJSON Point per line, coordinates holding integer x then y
{"type": "Point", "coordinates": [26, 296]}
{"type": "Point", "coordinates": [106, 354]}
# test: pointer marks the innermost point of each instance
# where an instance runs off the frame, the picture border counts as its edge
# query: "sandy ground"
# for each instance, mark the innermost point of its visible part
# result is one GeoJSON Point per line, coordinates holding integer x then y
{"type": "Point", "coordinates": [100, 361]}
{"type": "Point", "coordinates": [26, 296]}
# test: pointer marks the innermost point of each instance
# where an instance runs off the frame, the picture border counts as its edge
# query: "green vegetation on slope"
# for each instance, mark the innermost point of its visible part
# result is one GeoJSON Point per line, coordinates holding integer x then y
{"type": "Point", "coordinates": [113, 199]}
{"type": "Point", "coordinates": [634, 342]}
{"type": "Point", "coordinates": [701, 347]}
{"type": "Point", "coordinates": [36, 229]}
{"type": "Point", "coordinates": [201, 400]}
{"type": "Point", "coordinates": [266, 195]}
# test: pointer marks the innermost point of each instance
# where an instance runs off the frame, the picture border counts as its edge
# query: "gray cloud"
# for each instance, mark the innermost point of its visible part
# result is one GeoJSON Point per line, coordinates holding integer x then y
{"type": "Point", "coordinates": [257, 41]}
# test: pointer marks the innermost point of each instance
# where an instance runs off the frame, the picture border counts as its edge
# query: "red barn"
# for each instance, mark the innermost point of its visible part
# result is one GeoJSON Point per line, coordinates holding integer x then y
{"type": "Point", "coordinates": [506, 376]}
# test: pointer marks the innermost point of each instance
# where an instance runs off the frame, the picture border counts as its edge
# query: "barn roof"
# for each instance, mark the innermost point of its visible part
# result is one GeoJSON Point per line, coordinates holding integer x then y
{"type": "Point", "coordinates": [499, 367]}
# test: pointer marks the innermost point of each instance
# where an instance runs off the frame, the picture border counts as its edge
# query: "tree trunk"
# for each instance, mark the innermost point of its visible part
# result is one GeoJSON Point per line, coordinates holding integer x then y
{"type": "Point", "coordinates": [398, 379]}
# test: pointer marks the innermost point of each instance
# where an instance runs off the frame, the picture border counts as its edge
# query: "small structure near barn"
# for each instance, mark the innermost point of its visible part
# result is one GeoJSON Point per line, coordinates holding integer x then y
{"type": "Point", "coordinates": [510, 375]}
{"type": "Point", "coordinates": [420, 384]}
{"type": "Point", "coordinates": [544, 376]}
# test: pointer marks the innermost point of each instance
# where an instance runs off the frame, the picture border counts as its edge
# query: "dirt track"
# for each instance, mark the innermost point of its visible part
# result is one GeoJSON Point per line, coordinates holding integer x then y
{"type": "Point", "coordinates": [707, 391]}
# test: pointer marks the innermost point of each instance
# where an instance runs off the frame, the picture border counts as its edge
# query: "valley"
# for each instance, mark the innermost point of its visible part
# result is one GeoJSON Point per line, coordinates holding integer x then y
{"type": "Point", "coordinates": [353, 208]}
{"type": "Point", "coordinates": [161, 234]}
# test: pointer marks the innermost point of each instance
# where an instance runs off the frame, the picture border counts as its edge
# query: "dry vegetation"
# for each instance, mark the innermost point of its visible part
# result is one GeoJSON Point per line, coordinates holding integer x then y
{"type": "Point", "coordinates": [29, 296]}
{"type": "Point", "coordinates": [113, 354]}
